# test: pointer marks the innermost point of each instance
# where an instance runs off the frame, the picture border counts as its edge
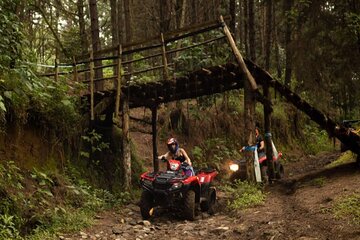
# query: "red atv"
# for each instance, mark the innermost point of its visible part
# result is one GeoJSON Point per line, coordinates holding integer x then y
{"type": "Point", "coordinates": [239, 167]}
{"type": "Point", "coordinates": [178, 189]}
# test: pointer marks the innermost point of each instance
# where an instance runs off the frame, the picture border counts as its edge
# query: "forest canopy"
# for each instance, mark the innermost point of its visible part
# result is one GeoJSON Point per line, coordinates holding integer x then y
{"type": "Point", "coordinates": [314, 46]}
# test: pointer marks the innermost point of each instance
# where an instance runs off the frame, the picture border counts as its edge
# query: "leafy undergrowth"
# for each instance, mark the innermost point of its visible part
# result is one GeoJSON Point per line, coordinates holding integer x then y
{"type": "Point", "coordinates": [348, 207]}
{"type": "Point", "coordinates": [243, 195]}
{"type": "Point", "coordinates": [346, 157]}
{"type": "Point", "coordinates": [36, 205]}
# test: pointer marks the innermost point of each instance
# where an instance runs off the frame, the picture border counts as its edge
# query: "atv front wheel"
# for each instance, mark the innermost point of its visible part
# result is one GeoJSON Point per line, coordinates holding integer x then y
{"type": "Point", "coordinates": [146, 204]}
{"type": "Point", "coordinates": [189, 205]}
{"type": "Point", "coordinates": [209, 204]}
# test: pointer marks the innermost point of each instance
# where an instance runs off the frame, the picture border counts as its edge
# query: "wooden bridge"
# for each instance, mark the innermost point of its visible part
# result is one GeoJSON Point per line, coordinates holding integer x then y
{"type": "Point", "coordinates": [194, 83]}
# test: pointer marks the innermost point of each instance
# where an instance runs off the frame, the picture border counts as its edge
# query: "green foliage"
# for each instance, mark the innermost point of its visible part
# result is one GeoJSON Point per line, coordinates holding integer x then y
{"type": "Point", "coordinates": [200, 56]}
{"type": "Point", "coordinates": [10, 35]}
{"type": "Point", "coordinates": [8, 228]}
{"type": "Point", "coordinates": [197, 152]}
{"type": "Point", "coordinates": [348, 207]}
{"type": "Point", "coordinates": [56, 203]}
{"type": "Point", "coordinates": [96, 145]}
{"type": "Point", "coordinates": [11, 176]}
{"type": "Point", "coordinates": [244, 195]}
{"type": "Point", "coordinates": [344, 158]}
{"type": "Point", "coordinates": [316, 140]}
{"type": "Point", "coordinates": [213, 151]}
{"type": "Point", "coordinates": [41, 101]}
{"type": "Point", "coordinates": [318, 182]}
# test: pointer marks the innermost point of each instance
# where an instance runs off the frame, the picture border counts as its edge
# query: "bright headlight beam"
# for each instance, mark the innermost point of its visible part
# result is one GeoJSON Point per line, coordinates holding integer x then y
{"type": "Point", "coordinates": [234, 167]}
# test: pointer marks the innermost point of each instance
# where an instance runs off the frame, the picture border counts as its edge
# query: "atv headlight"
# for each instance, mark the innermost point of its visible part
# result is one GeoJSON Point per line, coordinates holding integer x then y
{"type": "Point", "coordinates": [176, 185]}
{"type": "Point", "coordinates": [234, 167]}
{"type": "Point", "coordinates": [174, 166]}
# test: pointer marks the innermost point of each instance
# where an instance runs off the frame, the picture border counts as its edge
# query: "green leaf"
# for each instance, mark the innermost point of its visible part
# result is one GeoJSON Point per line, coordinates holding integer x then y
{"type": "Point", "coordinates": [85, 154]}
{"type": "Point", "coordinates": [2, 106]}
{"type": "Point", "coordinates": [8, 94]}
{"type": "Point", "coordinates": [66, 102]}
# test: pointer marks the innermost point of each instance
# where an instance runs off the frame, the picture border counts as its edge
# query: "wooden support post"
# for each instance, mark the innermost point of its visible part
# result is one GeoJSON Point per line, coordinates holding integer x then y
{"type": "Point", "coordinates": [92, 117]}
{"type": "Point", "coordinates": [238, 55]}
{"type": "Point", "coordinates": [75, 70]}
{"type": "Point", "coordinates": [126, 155]}
{"type": "Point", "coordinates": [154, 137]}
{"type": "Point", "coordinates": [56, 70]}
{"type": "Point", "coordinates": [118, 86]}
{"type": "Point", "coordinates": [165, 71]}
{"type": "Point", "coordinates": [267, 123]}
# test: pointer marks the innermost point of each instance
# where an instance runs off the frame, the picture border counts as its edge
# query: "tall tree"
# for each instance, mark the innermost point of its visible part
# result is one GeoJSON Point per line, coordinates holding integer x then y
{"type": "Point", "coordinates": [288, 51]}
{"type": "Point", "coordinates": [268, 34]}
{"type": "Point", "coordinates": [114, 22]}
{"type": "Point", "coordinates": [165, 15]}
{"type": "Point", "coordinates": [246, 27]}
{"type": "Point", "coordinates": [120, 21]}
{"type": "Point", "coordinates": [125, 103]}
{"type": "Point", "coordinates": [249, 95]}
{"type": "Point", "coordinates": [252, 44]}
{"type": "Point", "coordinates": [232, 9]}
{"type": "Point", "coordinates": [95, 39]}
{"type": "Point", "coordinates": [82, 27]}
{"type": "Point", "coordinates": [114, 29]}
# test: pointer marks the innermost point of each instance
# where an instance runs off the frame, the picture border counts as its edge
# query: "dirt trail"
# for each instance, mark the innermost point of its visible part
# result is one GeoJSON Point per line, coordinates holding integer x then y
{"type": "Point", "coordinates": [296, 208]}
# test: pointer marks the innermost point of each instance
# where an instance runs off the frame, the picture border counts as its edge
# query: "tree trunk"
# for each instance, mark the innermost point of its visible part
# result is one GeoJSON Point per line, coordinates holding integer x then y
{"type": "Point", "coordinates": [276, 43]}
{"type": "Point", "coordinates": [120, 14]}
{"type": "Point", "coordinates": [249, 95]}
{"type": "Point", "coordinates": [232, 25]}
{"type": "Point", "coordinates": [240, 30]}
{"type": "Point", "coordinates": [165, 17]}
{"type": "Point", "coordinates": [95, 38]}
{"type": "Point", "coordinates": [246, 28]}
{"type": "Point", "coordinates": [114, 30]}
{"type": "Point", "coordinates": [252, 43]}
{"type": "Point", "coordinates": [126, 155]}
{"type": "Point", "coordinates": [288, 51]}
{"type": "Point", "coordinates": [266, 92]}
{"type": "Point", "coordinates": [267, 127]}
{"type": "Point", "coordinates": [249, 136]}
{"type": "Point", "coordinates": [194, 12]}
{"type": "Point", "coordinates": [82, 28]}
{"type": "Point", "coordinates": [126, 112]}
{"type": "Point", "coordinates": [268, 34]}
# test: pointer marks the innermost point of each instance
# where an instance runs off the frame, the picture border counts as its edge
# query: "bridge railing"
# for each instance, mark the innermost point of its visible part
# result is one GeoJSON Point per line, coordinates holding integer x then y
{"type": "Point", "coordinates": [132, 63]}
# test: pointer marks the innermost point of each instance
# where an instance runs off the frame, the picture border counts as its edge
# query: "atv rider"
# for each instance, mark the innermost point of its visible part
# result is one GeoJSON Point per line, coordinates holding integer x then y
{"type": "Point", "coordinates": [178, 153]}
{"type": "Point", "coordinates": [260, 144]}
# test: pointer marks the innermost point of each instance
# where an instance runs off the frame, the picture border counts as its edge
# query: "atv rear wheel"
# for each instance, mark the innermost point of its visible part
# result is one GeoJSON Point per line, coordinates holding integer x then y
{"type": "Point", "coordinates": [279, 171]}
{"type": "Point", "coordinates": [189, 205]}
{"type": "Point", "coordinates": [146, 204]}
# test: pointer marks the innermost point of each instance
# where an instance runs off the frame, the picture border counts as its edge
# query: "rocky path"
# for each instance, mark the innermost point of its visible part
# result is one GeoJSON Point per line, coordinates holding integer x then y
{"type": "Point", "coordinates": [127, 224]}
{"type": "Point", "coordinates": [295, 208]}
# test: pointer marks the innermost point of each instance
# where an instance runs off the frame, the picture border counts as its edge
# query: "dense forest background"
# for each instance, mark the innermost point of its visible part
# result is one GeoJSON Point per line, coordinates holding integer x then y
{"type": "Point", "coordinates": [311, 46]}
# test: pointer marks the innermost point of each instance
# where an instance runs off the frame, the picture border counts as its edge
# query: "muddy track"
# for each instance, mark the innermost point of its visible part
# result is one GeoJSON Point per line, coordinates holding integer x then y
{"type": "Point", "coordinates": [295, 208]}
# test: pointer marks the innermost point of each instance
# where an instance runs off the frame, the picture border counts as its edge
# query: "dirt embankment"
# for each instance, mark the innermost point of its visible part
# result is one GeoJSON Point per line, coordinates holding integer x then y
{"type": "Point", "coordinates": [298, 207]}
